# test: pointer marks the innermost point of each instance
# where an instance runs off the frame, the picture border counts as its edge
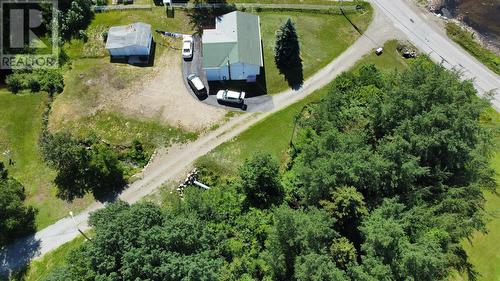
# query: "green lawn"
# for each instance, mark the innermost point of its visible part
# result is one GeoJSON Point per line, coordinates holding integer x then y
{"type": "Point", "coordinates": [19, 132]}
{"type": "Point", "coordinates": [21, 114]}
{"type": "Point", "coordinates": [466, 40]}
{"type": "Point", "coordinates": [390, 60]}
{"type": "Point", "coordinates": [322, 38]}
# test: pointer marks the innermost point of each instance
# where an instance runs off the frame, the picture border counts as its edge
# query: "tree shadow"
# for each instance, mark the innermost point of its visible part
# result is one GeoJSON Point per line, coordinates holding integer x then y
{"type": "Point", "coordinates": [110, 191]}
{"type": "Point", "coordinates": [294, 76]}
{"type": "Point", "coordinates": [15, 258]}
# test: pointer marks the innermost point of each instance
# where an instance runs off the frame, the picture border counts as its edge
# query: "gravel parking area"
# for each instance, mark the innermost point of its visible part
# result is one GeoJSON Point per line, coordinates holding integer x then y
{"type": "Point", "coordinates": [164, 96]}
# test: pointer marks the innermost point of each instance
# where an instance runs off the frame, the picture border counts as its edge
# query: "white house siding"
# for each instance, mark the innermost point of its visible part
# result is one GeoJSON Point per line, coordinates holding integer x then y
{"type": "Point", "coordinates": [130, 51]}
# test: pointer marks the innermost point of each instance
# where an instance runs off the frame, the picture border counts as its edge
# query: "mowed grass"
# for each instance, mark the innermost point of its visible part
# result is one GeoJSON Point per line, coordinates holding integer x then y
{"type": "Point", "coordinates": [20, 128]}
{"type": "Point", "coordinates": [273, 134]}
{"type": "Point", "coordinates": [466, 40]}
{"type": "Point", "coordinates": [390, 60]}
{"type": "Point", "coordinates": [322, 38]}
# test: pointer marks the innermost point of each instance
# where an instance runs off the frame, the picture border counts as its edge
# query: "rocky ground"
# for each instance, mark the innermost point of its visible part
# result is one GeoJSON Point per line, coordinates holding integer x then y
{"type": "Point", "coordinates": [478, 18]}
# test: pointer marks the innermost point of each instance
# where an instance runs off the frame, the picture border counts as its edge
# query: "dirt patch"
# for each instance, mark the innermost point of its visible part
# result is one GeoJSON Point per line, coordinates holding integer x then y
{"type": "Point", "coordinates": [158, 92]}
{"type": "Point", "coordinates": [164, 96]}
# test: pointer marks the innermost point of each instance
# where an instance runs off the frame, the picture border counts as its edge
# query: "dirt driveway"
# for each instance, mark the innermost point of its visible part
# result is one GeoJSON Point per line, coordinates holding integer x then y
{"type": "Point", "coordinates": [164, 96]}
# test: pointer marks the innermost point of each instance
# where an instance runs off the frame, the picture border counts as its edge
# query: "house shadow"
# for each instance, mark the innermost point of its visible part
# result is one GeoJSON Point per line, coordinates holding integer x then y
{"type": "Point", "coordinates": [15, 258]}
{"type": "Point", "coordinates": [139, 61]}
{"type": "Point", "coordinates": [251, 89]}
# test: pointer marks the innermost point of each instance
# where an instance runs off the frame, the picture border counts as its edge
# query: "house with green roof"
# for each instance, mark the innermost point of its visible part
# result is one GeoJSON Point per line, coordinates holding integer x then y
{"type": "Point", "coordinates": [233, 50]}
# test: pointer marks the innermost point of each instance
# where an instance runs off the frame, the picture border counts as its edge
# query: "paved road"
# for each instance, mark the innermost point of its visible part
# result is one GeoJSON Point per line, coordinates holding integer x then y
{"type": "Point", "coordinates": [421, 29]}
{"type": "Point", "coordinates": [173, 164]}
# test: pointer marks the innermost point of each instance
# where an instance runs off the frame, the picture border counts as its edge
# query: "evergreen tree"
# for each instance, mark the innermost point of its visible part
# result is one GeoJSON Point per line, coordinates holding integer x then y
{"type": "Point", "coordinates": [16, 219]}
{"type": "Point", "coordinates": [287, 48]}
{"type": "Point", "coordinates": [287, 54]}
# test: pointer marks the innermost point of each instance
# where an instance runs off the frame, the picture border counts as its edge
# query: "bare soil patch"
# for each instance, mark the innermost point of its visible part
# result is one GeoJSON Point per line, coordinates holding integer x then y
{"type": "Point", "coordinates": [157, 93]}
{"type": "Point", "coordinates": [164, 96]}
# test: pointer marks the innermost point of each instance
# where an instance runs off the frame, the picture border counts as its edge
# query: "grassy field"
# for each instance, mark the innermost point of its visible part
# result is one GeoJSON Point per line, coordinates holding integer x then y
{"type": "Point", "coordinates": [21, 114]}
{"type": "Point", "coordinates": [390, 60]}
{"type": "Point", "coordinates": [19, 132]}
{"type": "Point", "coordinates": [322, 38]}
{"type": "Point", "coordinates": [466, 40]}
{"type": "Point", "coordinates": [272, 135]}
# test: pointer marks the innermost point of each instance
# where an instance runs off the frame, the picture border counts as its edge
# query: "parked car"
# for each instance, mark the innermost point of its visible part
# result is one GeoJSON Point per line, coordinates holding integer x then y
{"type": "Point", "coordinates": [232, 97]}
{"type": "Point", "coordinates": [187, 48]}
{"type": "Point", "coordinates": [197, 85]}
{"type": "Point", "coordinates": [379, 51]}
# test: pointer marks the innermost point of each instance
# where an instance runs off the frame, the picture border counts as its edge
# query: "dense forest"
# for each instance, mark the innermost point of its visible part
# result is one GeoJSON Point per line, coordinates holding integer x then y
{"type": "Point", "coordinates": [385, 179]}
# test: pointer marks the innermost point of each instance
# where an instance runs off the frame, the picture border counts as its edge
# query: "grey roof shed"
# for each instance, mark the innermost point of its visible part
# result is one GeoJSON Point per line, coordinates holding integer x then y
{"type": "Point", "coordinates": [136, 38]}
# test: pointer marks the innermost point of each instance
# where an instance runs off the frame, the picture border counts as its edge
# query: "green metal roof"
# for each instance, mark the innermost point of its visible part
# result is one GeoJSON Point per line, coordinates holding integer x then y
{"type": "Point", "coordinates": [236, 39]}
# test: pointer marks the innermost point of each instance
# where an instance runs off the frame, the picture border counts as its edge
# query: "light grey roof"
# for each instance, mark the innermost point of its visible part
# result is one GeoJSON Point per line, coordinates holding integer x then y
{"type": "Point", "coordinates": [236, 38]}
{"type": "Point", "coordinates": [136, 34]}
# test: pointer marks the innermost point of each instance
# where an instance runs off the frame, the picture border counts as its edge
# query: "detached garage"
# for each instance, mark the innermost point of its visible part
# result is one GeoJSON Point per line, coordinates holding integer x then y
{"type": "Point", "coordinates": [233, 50]}
{"type": "Point", "coordinates": [130, 40]}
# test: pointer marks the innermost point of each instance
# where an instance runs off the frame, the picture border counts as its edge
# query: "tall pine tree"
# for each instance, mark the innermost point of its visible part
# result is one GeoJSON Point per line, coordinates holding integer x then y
{"type": "Point", "coordinates": [287, 49]}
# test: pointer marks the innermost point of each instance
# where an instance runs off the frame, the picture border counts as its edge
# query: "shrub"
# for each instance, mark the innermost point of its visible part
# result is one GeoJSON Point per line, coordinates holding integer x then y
{"type": "Point", "coordinates": [14, 83]}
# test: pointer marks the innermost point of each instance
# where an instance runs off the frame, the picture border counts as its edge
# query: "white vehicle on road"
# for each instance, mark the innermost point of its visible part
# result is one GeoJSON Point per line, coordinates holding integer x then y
{"type": "Point", "coordinates": [233, 97]}
{"type": "Point", "coordinates": [187, 47]}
